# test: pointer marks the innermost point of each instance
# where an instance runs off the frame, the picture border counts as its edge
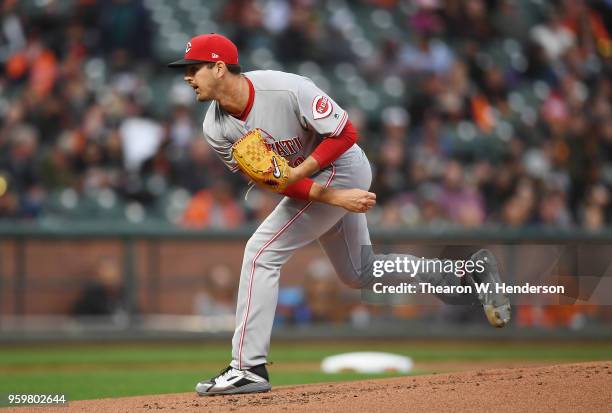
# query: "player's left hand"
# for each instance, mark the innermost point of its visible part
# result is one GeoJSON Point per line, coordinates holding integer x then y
{"type": "Point", "coordinates": [260, 163]}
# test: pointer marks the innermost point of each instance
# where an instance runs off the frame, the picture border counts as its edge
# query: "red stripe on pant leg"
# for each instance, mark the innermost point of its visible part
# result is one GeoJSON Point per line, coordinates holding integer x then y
{"type": "Point", "coordinates": [261, 250]}
{"type": "Point", "coordinates": [251, 280]}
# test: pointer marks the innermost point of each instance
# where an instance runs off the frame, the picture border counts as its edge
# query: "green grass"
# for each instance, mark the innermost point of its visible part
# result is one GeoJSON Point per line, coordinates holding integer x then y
{"type": "Point", "coordinates": [113, 370]}
{"type": "Point", "coordinates": [128, 382]}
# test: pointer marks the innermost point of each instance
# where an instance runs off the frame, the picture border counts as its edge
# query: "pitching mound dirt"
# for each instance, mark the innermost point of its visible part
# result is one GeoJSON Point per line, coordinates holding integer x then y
{"type": "Point", "coordinates": [559, 388]}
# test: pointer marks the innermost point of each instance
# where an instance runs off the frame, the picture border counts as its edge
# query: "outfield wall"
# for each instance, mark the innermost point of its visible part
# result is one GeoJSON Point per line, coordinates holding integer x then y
{"type": "Point", "coordinates": [43, 269]}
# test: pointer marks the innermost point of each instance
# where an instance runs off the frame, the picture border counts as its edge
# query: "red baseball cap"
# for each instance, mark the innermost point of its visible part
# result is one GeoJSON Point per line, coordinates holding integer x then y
{"type": "Point", "coordinates": [211, 47]}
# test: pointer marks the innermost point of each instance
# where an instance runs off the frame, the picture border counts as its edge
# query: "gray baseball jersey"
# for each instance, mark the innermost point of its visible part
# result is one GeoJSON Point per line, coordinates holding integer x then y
{"type": "Point", "coordinates": [296, 115]}
{"type": "Point", "coordinates": [290, 109]}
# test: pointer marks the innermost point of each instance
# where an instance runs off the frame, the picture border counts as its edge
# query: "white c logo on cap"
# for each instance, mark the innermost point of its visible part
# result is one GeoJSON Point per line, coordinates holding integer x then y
{"type": "Point", "coordinates": [188, 47]}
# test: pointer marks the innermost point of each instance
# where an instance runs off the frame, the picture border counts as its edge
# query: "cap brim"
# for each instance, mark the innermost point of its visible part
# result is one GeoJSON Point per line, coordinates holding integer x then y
{"type": "Point", "coordinates": [185, 62]}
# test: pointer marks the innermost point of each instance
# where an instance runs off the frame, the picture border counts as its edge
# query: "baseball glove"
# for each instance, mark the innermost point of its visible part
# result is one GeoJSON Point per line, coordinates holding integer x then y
{"type": "Point", "coordinates": [259, 162]}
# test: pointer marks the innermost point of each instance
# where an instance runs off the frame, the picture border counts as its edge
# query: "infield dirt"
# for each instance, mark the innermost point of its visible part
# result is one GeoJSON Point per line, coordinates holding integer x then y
{"type": "Point", "coordinates": [559, 388]}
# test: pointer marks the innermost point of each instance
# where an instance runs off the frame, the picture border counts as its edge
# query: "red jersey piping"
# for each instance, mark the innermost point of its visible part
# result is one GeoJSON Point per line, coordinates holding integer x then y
{"type": "Point", "coordinates": [249, 105]}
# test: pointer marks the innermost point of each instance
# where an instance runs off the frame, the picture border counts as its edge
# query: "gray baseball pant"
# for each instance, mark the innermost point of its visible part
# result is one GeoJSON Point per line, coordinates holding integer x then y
{"type": "Point", "coordinates": [292, 225]}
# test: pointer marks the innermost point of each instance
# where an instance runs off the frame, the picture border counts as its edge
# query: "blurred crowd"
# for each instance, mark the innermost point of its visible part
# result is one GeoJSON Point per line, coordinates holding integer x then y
{"type": "Point", "coordinates": [489, 112]}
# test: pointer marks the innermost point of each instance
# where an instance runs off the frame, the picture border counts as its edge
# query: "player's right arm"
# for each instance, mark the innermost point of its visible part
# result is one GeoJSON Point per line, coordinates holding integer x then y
{"type": "Point", "coordinates": [320, 113]}
{"type": "Point", "coordinates": [353, 200]}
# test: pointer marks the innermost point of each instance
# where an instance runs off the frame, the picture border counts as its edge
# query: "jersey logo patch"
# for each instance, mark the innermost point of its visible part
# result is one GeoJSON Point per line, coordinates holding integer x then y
{"type": "Point", "coordinates": [321, 107]}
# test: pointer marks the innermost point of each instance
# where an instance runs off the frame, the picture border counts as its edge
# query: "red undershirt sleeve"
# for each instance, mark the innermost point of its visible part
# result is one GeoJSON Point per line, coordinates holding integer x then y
{"type": "Point", "coordinates": [300, 189]}
{"type": "Point", "coordinates": [325, 153]}
{"type": "Point", "coordinates": [332, 147]}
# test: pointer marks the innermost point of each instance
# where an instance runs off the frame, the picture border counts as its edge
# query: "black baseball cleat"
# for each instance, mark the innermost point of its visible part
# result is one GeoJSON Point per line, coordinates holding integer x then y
{"type": "Point", "coordinates": [496, 305]}
{"type": "Point", "coordinates": [234, 381]}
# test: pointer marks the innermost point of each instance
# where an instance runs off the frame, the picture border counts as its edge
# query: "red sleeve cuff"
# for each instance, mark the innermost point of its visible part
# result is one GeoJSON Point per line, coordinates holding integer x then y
{"type": "Point", "coordinates": [300, 189]}
{"type": "Point", "coordinates": [333, 146]}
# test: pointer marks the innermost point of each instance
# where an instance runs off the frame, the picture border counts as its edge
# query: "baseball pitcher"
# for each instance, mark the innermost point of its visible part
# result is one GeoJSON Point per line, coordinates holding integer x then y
{"type": "Point", "coordinates": [289, 136]}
